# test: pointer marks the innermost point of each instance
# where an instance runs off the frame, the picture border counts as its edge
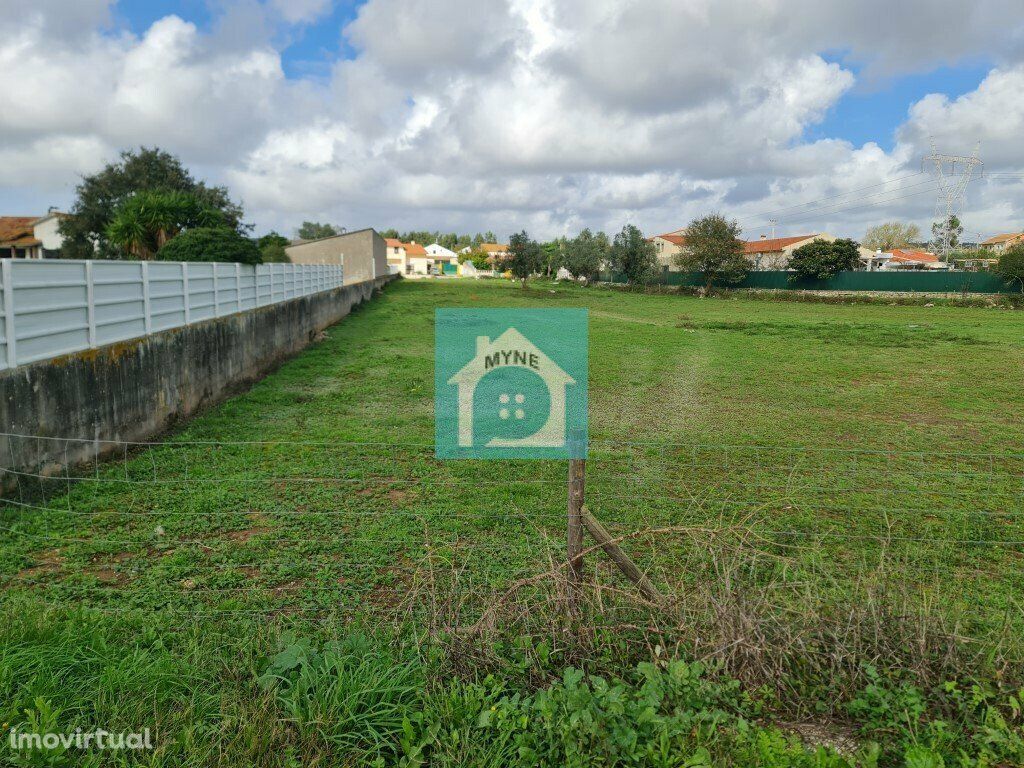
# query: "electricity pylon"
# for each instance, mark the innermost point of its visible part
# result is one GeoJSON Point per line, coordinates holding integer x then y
{"type": "Point", "coordinates": [953, 173]}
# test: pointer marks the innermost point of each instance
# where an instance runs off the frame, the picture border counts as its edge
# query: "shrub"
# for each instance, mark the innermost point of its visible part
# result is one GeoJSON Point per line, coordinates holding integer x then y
{"type": "Point", "coordinates": [821, 260]}
{"type": "Point", "coordinates": [210, 244]}
{"type": "Point", "coordinates": [1010, 266]}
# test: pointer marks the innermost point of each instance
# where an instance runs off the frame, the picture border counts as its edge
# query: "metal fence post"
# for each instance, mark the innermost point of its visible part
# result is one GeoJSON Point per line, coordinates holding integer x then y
{"type": "Point", "coordinates": [12, 350]}
{"type": "Point", "coordinates": [90, 304]}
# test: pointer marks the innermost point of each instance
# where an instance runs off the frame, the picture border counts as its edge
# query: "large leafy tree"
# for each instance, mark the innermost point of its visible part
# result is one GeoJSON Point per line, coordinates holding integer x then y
{"type": "Point", "coordinates": [100, 195]}
{"type": "Point", "coordinates": [584, 255]}
{"type": "Point", "coordinates": [821, 260]}
{"type": "Point", "coordinates": [524, 257]}
{"type": "Point", "coordinates": [892, 234]}
{"type": "Point", "coordinates": [713, 248]}
{"type": "Point", "coordinates": [146, 221]}
{"type": "Point", "coordinates": [1010, 266]}
{"type": "Point", "coordinates": [633, 256]}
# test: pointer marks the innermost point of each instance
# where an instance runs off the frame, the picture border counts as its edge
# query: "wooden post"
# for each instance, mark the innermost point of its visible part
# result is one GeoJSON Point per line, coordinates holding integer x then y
{"type": "Point", "coordinates": [620, 558]}
{"type": "Point", "coordinates": [574, 530]}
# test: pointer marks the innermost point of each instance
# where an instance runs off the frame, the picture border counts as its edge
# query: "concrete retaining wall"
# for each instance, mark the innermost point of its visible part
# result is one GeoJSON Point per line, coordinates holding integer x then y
{"type": "Point", "coordinates": [134, 390]}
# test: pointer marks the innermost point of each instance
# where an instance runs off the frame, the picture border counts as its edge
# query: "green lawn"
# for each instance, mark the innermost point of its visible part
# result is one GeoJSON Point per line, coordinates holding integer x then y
{"type": "Point", "coordinates": [807, 469]}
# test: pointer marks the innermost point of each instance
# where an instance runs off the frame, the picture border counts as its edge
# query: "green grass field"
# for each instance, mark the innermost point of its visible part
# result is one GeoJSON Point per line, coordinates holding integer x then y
{"type": "Point", "coordinates": [819, 489]}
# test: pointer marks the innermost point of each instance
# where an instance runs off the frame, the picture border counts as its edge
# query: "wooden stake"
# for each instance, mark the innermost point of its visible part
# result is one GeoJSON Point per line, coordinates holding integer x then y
{"type": "Point", "coordinates": [574, 530]}
{"type": "Point", "coordinates": [620, 558]}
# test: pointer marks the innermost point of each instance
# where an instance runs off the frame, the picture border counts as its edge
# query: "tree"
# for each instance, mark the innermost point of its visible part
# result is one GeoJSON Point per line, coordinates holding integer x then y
{"type": "Point", "coordinates": [821, 260]}
{"type": "Point", "coordinates": [273, 238]}
{"type": "Point", "coordinates": [953, 225]}
{"type": "Point", "coordinates": [585, 254]}
{"type": "Point", "coordinates": [1010, 266]}
{"type": "Point", "coordinates": [210, 244]}
{"type": "Point", "coordinates": [274, 253]}
{"type": "Point", "coordinates": [713, 248]}
{"type": "Point", "coordinates": [146, 221]}
{"type": "Point", "coordinates": [100, 195]}
{"type": "Point", "coordinates": [314, 230]}
{"type": "Point", "coordinates": [524, 257]}
{"type": "Point", "coordinates": [553, 254]}
{"type": "Point", "coordinates": [633, 256]}
{"type": "Point", "coordinates": [891, 235]}
{"type": "Point", "coordinates": [479, 259]}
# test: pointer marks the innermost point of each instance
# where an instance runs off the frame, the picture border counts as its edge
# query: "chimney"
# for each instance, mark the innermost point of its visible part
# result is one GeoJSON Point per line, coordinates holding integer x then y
{"type": "Point", "coordinates": [764, 237]}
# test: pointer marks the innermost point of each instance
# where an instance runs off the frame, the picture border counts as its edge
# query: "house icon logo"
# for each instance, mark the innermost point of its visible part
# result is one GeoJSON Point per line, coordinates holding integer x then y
{"type": "Point", "coordinates": [511, 383]}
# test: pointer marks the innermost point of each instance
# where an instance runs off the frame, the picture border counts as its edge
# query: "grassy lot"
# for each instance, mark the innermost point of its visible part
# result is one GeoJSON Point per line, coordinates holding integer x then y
{"type": "Point", "coordinates": [830, 495]}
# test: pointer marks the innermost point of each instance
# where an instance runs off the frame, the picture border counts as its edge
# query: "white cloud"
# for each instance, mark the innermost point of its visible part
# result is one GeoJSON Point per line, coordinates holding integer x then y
{"type": "Point", "coordinates": [301, 11]}
{"type": "Point", "coordinates": [504, 114]}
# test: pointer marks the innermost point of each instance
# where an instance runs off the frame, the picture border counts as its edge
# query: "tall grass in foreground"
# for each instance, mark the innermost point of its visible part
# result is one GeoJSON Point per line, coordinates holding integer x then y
{"type": "Point", "coordinates": [371, 697]}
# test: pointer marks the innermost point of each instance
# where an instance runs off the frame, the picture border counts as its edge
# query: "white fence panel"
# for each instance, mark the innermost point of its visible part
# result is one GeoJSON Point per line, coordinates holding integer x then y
{"type": "Point", "coordinates": [166, 295]}
{"type": "Point", "coordinates": [52, 307]}
{"type": "Point", "coordinates": [6, 358]}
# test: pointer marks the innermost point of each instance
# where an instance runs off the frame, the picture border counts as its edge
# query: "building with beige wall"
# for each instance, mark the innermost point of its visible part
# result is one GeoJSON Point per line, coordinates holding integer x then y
{"type": "Point", "coordinates": [1000, 243]}
{"type": "Point", "coordinates": [362, 254]}
{"type": "Point", "coordinates": [667, 247]}
{"type": "Point", "coordinates": [775, 253]}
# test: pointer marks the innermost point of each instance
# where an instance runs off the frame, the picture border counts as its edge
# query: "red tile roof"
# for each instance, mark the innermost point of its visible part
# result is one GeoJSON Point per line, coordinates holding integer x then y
{"type": "Point", "coordinates": [900, 254]}
{"type": "Point", "coordinates": [673, 238]}
{"type": "Point", "coordinates": [414, 249]}
{"type": "Point", "coordinates": [771, 246]}
{"type": "Point", "coordinates": [16, 228]}
{"type": "Point", "coordinates": [393, 242]}
{"type": "Point", "coordinates": [493, 248]}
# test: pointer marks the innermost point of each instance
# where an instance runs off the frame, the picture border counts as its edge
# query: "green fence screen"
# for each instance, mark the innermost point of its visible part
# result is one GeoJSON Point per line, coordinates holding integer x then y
{"type": "Point", "coordinates": [906, 282]}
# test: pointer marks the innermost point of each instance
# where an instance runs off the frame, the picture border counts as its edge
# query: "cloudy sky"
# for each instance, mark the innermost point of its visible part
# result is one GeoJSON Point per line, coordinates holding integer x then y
{"type": "Point", "coordinates": [547, 115]}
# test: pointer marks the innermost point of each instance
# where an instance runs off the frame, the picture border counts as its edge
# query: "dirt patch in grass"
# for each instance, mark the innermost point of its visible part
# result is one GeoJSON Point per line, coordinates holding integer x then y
{"type": "Point", "coordinates": [248, 533]}
{"type": "Point", "coordinates": [46, 562]}
{"type": "Point", "coordinates": [105, 575]}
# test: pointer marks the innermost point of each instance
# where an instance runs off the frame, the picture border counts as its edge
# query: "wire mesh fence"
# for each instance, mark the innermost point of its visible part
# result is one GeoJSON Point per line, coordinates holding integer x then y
{"type": "Point", "coordinates": [748, 543]}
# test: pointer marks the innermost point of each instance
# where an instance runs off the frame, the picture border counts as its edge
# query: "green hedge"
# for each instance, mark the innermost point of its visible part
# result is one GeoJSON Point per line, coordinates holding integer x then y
{"type": "Point", "coordinates": [905, 282]}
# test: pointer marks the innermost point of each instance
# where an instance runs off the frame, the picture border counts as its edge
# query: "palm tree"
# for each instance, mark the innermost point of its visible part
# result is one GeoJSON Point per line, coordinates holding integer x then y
{"type": "Point", "coordinates": [147, 220]}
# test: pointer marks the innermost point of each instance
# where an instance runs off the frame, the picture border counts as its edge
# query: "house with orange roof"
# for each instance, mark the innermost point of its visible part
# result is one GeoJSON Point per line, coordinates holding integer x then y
{"type": "Point", "coordinates": [775, 253]}
{"type": "Point", "coordinates": [905, 258]}
{"type": "Point", "coordinates": [31, 237]}
{"type": "Point", "coordinates": [667, 247]}
{"type": "Point", "coordinates": [1000, 243]}
{"type": "Point", "coordinates": [408, 258]}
